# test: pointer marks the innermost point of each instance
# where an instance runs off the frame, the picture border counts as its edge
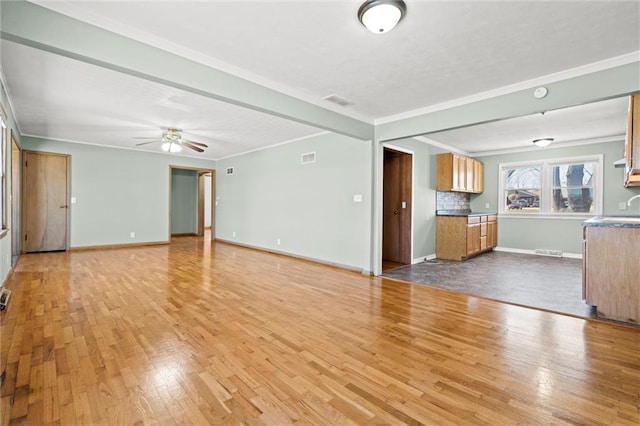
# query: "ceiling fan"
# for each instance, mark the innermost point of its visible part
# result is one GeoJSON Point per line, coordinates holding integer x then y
{"type": "Point", "coordinates": [172, 141]}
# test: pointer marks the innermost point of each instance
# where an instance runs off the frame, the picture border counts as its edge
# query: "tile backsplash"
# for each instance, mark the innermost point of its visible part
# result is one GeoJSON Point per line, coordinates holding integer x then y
{"type": "Point", "coordinates": [452, 201]}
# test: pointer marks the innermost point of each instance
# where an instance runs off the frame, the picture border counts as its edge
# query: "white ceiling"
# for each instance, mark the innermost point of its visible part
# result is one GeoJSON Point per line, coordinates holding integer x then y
{"type": "Point", "coordinates": [442, 51]}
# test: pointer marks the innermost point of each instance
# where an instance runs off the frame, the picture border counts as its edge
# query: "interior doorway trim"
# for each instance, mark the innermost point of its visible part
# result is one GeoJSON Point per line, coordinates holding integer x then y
{"type": "Point", "coordinates": [386, 145]}
{"type": "Point", "coordinates": [201, 172]}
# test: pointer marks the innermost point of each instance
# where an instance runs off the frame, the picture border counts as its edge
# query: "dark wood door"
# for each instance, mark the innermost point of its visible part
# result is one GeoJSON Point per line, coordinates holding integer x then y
{"type": "Point", "coordinates": [46, 179]}
{"type": "Point", "coordinates": [396, 222]}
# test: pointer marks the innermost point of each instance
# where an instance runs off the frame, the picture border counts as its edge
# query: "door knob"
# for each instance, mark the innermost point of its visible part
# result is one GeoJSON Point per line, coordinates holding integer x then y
{"type": "Point", "coordinates": [395, 212]}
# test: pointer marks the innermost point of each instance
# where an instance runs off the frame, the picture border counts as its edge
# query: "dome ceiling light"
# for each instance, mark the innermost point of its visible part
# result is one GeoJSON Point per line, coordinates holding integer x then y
{"type": "Point", "coordinates": [381, 16]}
{"type": "Point", "coordinates": [544, 142]}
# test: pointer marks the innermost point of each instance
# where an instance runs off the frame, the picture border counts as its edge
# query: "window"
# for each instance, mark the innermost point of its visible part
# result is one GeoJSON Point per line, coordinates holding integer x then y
{"type": "Point", "coordinates": [559, 187]}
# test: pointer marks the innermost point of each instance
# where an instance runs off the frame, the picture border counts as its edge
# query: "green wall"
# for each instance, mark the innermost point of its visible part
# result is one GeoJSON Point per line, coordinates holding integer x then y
{"type": "Point", "coordinates": [184, 201]}
{"type": "Point", "coordinates": [309, 207]}
{"type": "Point", "coordinates": [118, 191]}
{"type": "Point", "coordinates": [553, 233]}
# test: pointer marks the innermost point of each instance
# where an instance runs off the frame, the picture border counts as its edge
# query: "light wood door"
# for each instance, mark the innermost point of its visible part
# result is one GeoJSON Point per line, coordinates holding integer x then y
{"type": "Point", "coordinates": [46, 181]}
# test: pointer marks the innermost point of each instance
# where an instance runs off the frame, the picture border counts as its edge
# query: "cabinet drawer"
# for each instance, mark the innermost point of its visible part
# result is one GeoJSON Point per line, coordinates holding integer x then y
{"type": "Point", "coordinates": [492, 218]}
{"type": "Point", "coordinates": [473, 219]}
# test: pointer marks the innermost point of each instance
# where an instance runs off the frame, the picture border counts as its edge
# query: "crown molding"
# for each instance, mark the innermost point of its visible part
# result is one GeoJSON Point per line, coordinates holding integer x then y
{"type": "Point", "coordinates": [523, 85]}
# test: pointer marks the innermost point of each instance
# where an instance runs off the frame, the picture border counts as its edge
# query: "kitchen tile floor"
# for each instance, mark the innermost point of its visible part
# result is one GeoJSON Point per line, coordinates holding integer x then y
{"type": "Point", "coordinates": [548, 283]}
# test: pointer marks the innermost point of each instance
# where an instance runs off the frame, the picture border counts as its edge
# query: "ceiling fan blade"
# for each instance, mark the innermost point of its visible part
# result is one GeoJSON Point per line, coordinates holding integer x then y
{"type": "Point", "coordinates": [143, 137]}
{"type": "Point", "coordinates": [198, 143]}
{"type": "Point", "coordinates": [190, 145]}
{"type": "Point", "coordinates": [146, 143]}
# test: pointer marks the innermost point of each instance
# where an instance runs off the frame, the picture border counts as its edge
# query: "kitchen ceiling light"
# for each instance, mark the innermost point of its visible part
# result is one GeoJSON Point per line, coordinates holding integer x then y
{"type": "Point", "coordinates": [380, 16]}
{"type": "Point", "coordinates": [544, 142]}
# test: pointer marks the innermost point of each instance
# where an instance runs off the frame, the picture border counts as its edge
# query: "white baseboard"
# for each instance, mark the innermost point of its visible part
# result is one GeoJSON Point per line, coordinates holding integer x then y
{"type": "Point", "coordinates": [533, 252]}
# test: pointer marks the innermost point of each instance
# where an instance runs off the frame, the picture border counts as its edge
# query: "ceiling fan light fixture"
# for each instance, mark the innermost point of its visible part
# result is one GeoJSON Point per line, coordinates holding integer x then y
{"type": "Point", "coordinates": [381, 16]}
{"type": "Point", "coordinates": [542, 143]}
{"type": "Point", "coordinates": [171, 147]}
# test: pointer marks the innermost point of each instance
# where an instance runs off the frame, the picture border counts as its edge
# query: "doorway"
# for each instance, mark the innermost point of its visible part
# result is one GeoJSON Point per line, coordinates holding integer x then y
{"type": "Point", "coordinates": [192, 193]}
{"type": "Point", "coordinates": [397, 207]}
{"type": "Point", "coordinates": [46, 206]}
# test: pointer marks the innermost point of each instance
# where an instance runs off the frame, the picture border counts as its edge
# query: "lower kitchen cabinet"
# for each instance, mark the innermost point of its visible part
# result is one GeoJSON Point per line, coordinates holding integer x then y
{"type": "Point", "coordinates": [460, 237]}
{"type": "Point", "coordinates": [611, 270]}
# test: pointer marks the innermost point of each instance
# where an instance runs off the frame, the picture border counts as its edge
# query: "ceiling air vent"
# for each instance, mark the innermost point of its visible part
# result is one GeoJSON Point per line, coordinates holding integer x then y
{"type": "Point", "coordinates": [308, 158]}
{"type": "Point", "coordinates": [229, 170]}
{"type": "Point", "coordinates": [337, 100]}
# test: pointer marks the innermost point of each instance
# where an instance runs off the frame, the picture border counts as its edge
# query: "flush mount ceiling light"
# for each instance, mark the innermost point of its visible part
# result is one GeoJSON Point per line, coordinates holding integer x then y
{"type": "Point", "coordinates": [543, 142]}
{"type": "Point", "coordinates": [380, 16]}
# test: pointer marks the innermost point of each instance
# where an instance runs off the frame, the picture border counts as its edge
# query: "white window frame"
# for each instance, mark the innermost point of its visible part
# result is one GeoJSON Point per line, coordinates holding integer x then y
{"type": "Point", "coordinates": [546, 186]}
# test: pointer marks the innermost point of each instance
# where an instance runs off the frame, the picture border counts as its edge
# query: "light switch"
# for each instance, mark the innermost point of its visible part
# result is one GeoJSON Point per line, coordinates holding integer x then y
{"type": "Point", "coordinates": [73, 200]}
{"type": "Point", "coordinates": [357, 198]}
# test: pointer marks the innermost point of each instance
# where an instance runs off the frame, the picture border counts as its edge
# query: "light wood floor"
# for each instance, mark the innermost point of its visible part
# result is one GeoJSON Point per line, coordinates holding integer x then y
{"type": "Point", "coordinates": [196, 333]}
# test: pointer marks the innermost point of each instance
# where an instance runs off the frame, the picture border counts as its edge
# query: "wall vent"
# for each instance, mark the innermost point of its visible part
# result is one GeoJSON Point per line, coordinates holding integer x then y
{"type": "Point", "coordinates": [229, 170]}
{"type": "Point", "coordinates": [339, 100]}
{"type": "Point", "coordinates": [546, 252]}
{"type": "Point", "coordinates": [308, 158]}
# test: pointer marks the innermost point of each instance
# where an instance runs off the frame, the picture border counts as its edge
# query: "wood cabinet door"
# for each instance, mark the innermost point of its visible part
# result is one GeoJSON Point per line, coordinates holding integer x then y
{"type": "Point", "coordinates": [470, 175]}
{"type": "Point", "coordinates": [473, 239]}
{"type": "Point", "coordinates": [492, 234]}
{"type": "Point", "coordinates": [459, 170]}
{"type": "Point", "coordinates": [478, 177]}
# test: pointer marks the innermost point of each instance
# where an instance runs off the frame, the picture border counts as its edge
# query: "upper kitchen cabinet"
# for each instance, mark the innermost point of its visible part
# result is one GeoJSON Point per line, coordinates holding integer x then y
{"type": "Point", "coordinates": [632, 144]}
{"type": "Point", "coordinates": [457, 173]}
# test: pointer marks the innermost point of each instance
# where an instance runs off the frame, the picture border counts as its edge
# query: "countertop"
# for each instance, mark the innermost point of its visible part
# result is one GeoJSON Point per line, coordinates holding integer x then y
{"type": "Point", "coordinates": [463, 213]}
{"type": "Point", "coordinates": [614, 221]}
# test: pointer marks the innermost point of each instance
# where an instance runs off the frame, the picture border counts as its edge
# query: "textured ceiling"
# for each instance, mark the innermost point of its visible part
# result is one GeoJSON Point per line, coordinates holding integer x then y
{"type": "Point", "coordinates": [442, 51]}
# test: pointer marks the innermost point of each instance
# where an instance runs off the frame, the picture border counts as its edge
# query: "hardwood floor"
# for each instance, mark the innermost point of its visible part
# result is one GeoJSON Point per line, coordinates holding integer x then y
{"type": "Point", "coordinates": [205, 334]}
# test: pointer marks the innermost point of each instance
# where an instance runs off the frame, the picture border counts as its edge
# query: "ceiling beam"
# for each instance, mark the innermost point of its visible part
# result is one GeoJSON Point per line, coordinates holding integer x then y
{"type": "Point", "coordinates": [592, 87]}
{"type": "Point", "coordinates": [41, 28]}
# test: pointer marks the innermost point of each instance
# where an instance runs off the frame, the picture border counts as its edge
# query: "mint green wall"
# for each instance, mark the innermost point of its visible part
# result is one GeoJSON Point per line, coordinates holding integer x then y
{"type": "Point", "coordinates": [184, 201]}
{"type": "Point", "coordinates": [118, 191]}
{"type": "Point", "coordinates": [557, 234]}
{"type": "Point", "coordinates": [309, 207]}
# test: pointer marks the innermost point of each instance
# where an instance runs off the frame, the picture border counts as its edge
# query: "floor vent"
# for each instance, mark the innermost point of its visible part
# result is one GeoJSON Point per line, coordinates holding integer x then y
{"type": "Point", "coordinates": [229, 170]}
{"type": "Point", "coordinates": [546, 252]}
{"type": "Point", "coordinates": [308, 158]}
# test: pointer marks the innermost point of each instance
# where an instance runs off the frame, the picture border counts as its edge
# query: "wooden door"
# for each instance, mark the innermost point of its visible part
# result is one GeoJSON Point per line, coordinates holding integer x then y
{"type": "Point", "coordinates": [46, 182]}
{"type": "Point", "coordinates": [396, 222]}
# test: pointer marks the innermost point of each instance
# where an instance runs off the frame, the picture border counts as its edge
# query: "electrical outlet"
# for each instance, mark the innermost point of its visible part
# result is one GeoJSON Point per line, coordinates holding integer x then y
{"type": "Point", "coordinates": [233, 234]}
{"type": "Point", "coordinates": [278, 241]}
{"type": "Point", "coordinates": [486, 206]}
{"type": "Point", "coordinates": [132, 235]}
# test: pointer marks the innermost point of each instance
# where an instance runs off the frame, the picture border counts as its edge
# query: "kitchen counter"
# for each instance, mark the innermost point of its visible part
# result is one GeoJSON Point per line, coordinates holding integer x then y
{"type": "Point", "coordinates": [463, 213]}
{"type": "Point", "coordinates": [614, 221]}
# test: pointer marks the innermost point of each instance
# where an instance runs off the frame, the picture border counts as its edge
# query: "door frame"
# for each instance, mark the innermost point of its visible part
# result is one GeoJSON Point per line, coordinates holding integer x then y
{"type": "Point", "coordinates": [200, 197]}
{"type": "Point", "coordinates": [23, 235]}
{"type": "Point", "coordinates": [16, 197]}
{"type": "Point", "coordinates": [377, 266]}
